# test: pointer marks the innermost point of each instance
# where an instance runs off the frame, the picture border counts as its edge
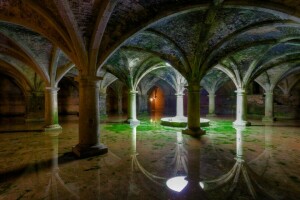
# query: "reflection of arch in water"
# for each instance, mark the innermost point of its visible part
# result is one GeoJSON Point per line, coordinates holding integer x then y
{"type": "Point", "coordinates": [239, 176]}
{"type": "Point", "coordinates": [267, 165]}
{"type": "Point", "coordinates": [266, 157]}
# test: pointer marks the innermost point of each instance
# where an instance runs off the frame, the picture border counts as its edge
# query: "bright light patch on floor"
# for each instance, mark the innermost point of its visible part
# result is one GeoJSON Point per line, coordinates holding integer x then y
{"type": "Point", "coordinates": [177, 183]}
{"type": "Point", "coordinates": [201, 185]}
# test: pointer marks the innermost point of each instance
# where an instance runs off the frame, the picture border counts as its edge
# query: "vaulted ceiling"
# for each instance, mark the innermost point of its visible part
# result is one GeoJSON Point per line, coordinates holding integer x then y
{"type": "Point", "coordinates": [45, 39]}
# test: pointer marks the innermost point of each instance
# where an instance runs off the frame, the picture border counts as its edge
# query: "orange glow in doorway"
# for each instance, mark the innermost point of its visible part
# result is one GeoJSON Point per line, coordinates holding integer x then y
{"type": "Point", "coordinates": [157, 103]}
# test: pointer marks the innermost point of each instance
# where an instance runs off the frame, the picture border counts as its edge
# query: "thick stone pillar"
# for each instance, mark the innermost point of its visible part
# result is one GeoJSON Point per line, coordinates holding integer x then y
{"type": "Point", "coordinates": [132, 108]}
{"type": "Point", "coordinates": [179, 105]}
{"type": "Point", "coordinates": [51, 109]}
{"type": "Point", "coordinates": [35, 106]}
{"type": "Point", "coordinates": [193, 125]}
{"type": "Point", "coordinates": [89, 124]}
{"type": "Point", "coordinates": [211, 105]}
{"type": "Point", "coordinates": [269, 107]}
{"type": "Point", "coordinates": [120, 104]}
{"type": "Point", "coordinates": [241, 108]}
{"type": "Point", "coordinates": [102, 104]}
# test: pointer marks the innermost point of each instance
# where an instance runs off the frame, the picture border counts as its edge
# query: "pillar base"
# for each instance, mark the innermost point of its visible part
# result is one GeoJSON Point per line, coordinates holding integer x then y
{"type": "Point", "coordinates": [211, 115]}
{"type": "Point", "coordinates": [89, 151]}
{"type": "Point", "coordinates": [268, 119]}
{"type": "Point", "coordinates": [241, 123]}
{"type": "Point", "coordinates": [133, 122]}
{"type": "Point", "coordinates": [194, 132]}
{"type": "Point", "coordinates": [53, 127]}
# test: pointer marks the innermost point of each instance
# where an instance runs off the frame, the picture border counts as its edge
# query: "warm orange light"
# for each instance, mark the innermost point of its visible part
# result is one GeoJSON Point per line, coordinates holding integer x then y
{"type": "Point", "coordinates": [151, 99]}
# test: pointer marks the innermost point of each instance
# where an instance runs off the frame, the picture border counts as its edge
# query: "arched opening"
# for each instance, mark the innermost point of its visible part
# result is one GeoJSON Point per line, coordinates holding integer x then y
{"type": "Point", "coordinates": [111, 101]}
{"type": "Point", "coordinates": [12, 102]}
{"type": "Point", "coordinates": [156, 103]}
{"type": "Point", "coordinates": [226, 99]}
{"type": "Point", "coordinates": [255, 101]}
{"type": "Point", "coordinates": [68, 97]}
{"type": "Point", "coordinates": [295, 99]}
{"type": "Point", "coordinates": [204, 101]}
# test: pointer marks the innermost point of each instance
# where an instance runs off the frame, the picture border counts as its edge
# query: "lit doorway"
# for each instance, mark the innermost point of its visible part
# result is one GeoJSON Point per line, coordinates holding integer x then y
{"type": "Point", "coordinates": [156, 103]}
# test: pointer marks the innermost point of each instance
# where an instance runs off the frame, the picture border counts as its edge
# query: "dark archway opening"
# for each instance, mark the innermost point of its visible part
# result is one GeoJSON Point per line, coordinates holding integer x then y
{"type": "Point", "coordinates": [13, 103]}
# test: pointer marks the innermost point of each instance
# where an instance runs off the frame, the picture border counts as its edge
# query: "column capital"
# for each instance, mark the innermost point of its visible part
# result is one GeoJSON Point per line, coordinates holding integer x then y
{"type": "Point", "coordinates": [102, 91]}
{"type": "Point", "coordinates": [51, 89]}
{"type": "Point", "coordinates": [179, 94]}
{"type": "Point", "coordinates": [240, 91]}
{"type": "Point", "coordinates": [268, 93]}
{"type": "Point", "coordinates": [103, 94]}
{"type": "Point", "coordinates": [133, 92]}
{"type": "Point", "coordinates": [89, 82]}
{"type": "Point", "coordinates": [193, 87]}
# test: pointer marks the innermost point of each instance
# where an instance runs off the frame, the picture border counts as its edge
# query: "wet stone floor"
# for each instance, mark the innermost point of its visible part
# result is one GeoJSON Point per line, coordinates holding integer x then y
{"type": "Point", "coordinates": [150, 161]}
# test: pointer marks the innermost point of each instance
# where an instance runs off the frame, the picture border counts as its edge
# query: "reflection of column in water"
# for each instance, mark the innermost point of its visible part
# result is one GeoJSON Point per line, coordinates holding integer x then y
{"type": "Point", "coordinates": [133, 139]}
{"type": "Point", "coordinates": [180, 158]}
{"type": "Point", "coordinates": [240, 177]}
{"type": "Point", "coordinates": [52, 187]}
{"type": "Point", "coordinates": [188, 186]}
{"type": "Point", "coordinates": [135, 162]}
{"type": "Point", "coordinates": [239, 142]}
{"type": "Point", "coordinates": [56, 181]}
{"type": "Point", "coordinates": [266, 155]}
{"type": "Point", "coordinates": [133, 188]}
{"type": "Point", "coordinates": [54, 138]}
{"type": "Point", "coordinates": [193, 188]}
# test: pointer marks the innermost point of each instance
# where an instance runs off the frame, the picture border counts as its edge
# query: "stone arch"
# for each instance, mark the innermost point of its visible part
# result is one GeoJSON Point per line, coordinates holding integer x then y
{"type": "Point", "coordinates": [68, 97]}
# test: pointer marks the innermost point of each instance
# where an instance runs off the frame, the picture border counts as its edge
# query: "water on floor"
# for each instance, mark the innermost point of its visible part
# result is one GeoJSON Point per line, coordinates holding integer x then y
{"type": "Point", "coordinates": [149, 161]}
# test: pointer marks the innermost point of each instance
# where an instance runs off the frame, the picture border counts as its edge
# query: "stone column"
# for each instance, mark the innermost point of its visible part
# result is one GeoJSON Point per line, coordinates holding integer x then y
{"type": "Point", "coordinates": [241, 108]}
{"type": "Point", "coordinates": [89, 124]}
{"type": "Point", "coordinates": [132, 108]}
{"type": "Point", "coordinates": [179, 105]}
{"type": "Point", "coordinates": [269, 107]}
{"type": "Point", "coordinates": [193, 124]}
{"type": "Point", "coordinates": [102, 104]}
{"type": "Point", "coordinates": [120, 103]}
{"type": "Point", "coordinates": [51, 109]}
{"type": "Point", "coordinates": [211, 105]}
{"type": "Point", "coordinates": [35, 106]}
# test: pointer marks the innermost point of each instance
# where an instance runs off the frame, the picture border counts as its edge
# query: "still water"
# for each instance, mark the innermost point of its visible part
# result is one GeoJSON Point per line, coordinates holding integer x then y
{"type": "Point", "coordinates": [149, 161]}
